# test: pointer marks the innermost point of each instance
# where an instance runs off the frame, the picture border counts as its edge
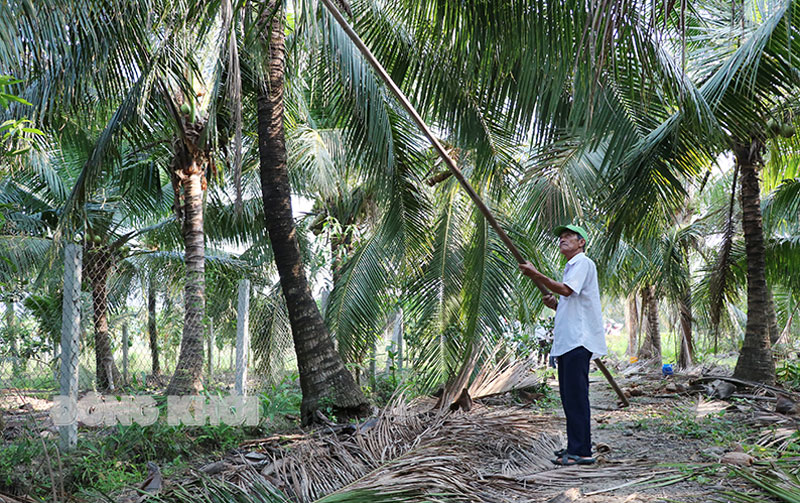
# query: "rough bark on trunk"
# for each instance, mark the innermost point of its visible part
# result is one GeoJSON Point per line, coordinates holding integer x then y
{"type": "Point", "coordinates": [772, 319]}
{"type": "Point", "coordinates": [651, 348]}
{"type": "Point", "coordinates": [755, 358]}
{"type": "Point", "coordinates": [189, 170]}
{"type": "Point", "coordinates": [632, 322]}
{"type": "Point", "coordinates": [98, 269]}
{"type": "Point", "coordinates": [686, 350]}
{"type": "Point", "coordinates": [324, 380]}
{"type": "Point", "coordinates": [685, 355]}
{"type": "Point", "coordinates": [151, 327]}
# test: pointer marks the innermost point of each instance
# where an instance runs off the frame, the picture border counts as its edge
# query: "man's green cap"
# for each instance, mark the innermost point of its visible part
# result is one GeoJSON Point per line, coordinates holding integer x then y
{"type": "Point", "coordinates": [577, 229]}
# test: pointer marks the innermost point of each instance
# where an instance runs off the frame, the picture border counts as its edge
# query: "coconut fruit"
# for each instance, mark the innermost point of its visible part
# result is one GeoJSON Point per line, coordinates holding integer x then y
{"type": "Point", "coordinates": [98, 240]}
{"type": "Point", "coordinates": [773, 126]}
{"type": "Point", "coordinates": [787, 130]}
{"type": "Point", "coordinates": [185, 109]}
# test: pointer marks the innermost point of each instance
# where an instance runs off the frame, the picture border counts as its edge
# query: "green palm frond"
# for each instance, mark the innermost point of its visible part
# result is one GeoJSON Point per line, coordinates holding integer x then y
{"type": "Point", "coordinates": [311, 154]}
{"type": "Point", "coordinates": [145, 191]}
{"type": "Point", "coordinates": [713, 294]}
{"type": "Point", "coordinates": [223, 223]}
{"type": "Point", "coordinates": [782, 207]}
{"type": "Point", "coordinates": [436, 303]}
{"type": "Point", "coordinates": [489, 278]}
{"type": "Point", "coordinates": [73, 48]}
{"type": "Point", "coordinates": [780, 483]}
{"type": "Point", "coordinates": [719, 283]}
{"type": "Point", "coordinates": [271, 333]}
{"type": "Point", "coordinates": [559, 183]}
{"type": "Point", "coordinates": [374, 278]}
{"type": "Point", "coordinates": [351, 90]}
{"type": "Point", "coordinates": [44, 174]}
{"type": "Point", "coordinates": [171, 263]}
{"type": "Point", "coordinates": [20, 255]}
{"type": "Point", "coordinates": [46, 308]}
{"type": "Point", "coordinates": [356, 310]}
{"type": "Point", "coordinates": [783, 262]}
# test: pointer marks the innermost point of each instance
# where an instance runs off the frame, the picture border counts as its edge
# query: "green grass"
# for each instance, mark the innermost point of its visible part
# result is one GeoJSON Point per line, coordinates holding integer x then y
{"type": "Point", "coordinates": [107, 459]}
{"type": "Point", "coordinates": [31, 382]}
{"type": "Point", "coordinates": [717, 428]}
{"type": "Point", "coordinates": [110, 458]}
{"type": "Point", "coordinates": [788, 374]}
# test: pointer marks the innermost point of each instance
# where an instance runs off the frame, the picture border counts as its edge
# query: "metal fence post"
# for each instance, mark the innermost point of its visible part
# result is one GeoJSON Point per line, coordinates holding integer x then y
{"type": "Point", "coordinates": [242, 336]}
{"type": "Point", "coordinates": [124, 353]}
{"type": "Point", "coordinates": [70, 333]}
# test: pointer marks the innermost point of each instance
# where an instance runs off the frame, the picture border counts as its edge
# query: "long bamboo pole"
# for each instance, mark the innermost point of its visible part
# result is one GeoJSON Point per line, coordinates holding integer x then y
{"type": "Point", "coordinates": [451, 164]}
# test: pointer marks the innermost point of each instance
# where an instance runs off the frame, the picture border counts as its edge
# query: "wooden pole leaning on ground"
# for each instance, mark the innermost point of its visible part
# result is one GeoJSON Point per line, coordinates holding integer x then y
{"type": "Point", "coordinates": [447, 160]}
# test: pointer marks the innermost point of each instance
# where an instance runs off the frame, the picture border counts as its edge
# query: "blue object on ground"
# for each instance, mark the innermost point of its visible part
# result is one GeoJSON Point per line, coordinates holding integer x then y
{"type": "Point", "coordinates": [666, 369]}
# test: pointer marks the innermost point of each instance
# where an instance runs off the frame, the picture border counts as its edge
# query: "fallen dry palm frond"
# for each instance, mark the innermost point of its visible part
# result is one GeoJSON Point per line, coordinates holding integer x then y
{"type": "Point", "coordinates": [504, 376]}
{"type": "Point", "coordinates": [438, 454]}
{"type": "Point", "coordinates": [577, 475]}
{"type": "Point", "coordinates": [252, 488]}
{"type": "Point", "coordinates": [779, 439]}
{"type": "Point", "coordinates": [466, 454]}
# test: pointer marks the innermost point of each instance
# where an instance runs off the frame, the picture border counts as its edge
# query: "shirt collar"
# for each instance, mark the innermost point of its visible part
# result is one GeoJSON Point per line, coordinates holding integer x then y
{"type": "Point", "coordinates": [575, 258]}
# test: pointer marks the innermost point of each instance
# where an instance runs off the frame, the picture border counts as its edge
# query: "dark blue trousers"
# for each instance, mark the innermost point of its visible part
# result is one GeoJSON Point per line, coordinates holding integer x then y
{"type": "Point", "coordinates": [573, 385]}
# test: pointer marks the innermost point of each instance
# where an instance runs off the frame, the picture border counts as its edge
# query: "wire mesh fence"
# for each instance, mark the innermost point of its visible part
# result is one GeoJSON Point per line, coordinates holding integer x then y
{"type": "Point", "coordinates": [124, 306]}
{"type": "Point", "coordinates": [130, 330]}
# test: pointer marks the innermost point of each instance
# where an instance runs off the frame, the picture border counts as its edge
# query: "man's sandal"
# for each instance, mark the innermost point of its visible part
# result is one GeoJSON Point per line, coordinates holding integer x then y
{"type": "Point", "coordinates": [571, 459]}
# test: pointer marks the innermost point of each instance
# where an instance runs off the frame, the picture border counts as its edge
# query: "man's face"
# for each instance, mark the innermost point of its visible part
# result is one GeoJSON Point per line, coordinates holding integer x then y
{"type": "Point", "coordinates": [570, 243]}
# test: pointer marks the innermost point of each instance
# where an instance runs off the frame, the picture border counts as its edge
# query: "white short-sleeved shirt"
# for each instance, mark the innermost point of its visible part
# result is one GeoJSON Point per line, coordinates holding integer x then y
{"type": "Point", "coordinates": [579, 320]}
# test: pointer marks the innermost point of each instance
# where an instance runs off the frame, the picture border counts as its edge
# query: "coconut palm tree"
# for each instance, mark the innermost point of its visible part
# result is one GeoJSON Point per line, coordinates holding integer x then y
{"type": "Point", "coordinates": [483, 117]}
{"type": "Point", "coordinates": [323, 377]}
{"type": "Point", "coordinates": [746, 80]}
{"type": "Point", "coordinates": [177, 83]}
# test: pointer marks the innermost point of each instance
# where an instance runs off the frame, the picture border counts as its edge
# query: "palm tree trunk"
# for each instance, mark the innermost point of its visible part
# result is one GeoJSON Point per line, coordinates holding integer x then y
{"type": "Point", "coordinates": [189, 370]}
{"type": "Point", "coordinates": [755, 359]}
{"type": "Point", "coordinates": [651, 348]}
{"type": "Point", "coordinates": [324, 380]}
{"type": "Point", "coordinates": [772, 319]}
{"type": "Point", "coordinates": [98, 268]}
{"type": "Point", "coordinates": [685, 355]}
{"type": "Point", "coordinates": [632, 322]}
{"type": "Point", "coordinates": [151, 327]}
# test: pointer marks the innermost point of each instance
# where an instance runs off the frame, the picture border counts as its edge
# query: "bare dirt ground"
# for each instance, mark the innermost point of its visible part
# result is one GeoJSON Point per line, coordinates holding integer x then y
{"type": "Point", "coordinates": [674, 442]}
{"type": "Point", "coordinates": [632, 437]}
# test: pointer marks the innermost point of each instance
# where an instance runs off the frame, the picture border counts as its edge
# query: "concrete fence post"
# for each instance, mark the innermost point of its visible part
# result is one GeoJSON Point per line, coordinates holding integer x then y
{"type": "Point", "coordinates": [242, 337]}
{"type": "Point", "coordinates": [397, 338]}
{"type": "Point", "coordinates": [70, 335]}
{"type": "Point", "coordinates": [212, 346]}
{"type": "Point", "coordinates": [124, 353]}
{"type": "Point", "coordinates": [56, 358]}
{"type": "Point", "coordinates": [12, 333]}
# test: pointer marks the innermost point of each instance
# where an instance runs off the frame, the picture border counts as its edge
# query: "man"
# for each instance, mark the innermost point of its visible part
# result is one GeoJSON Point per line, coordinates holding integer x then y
{"type": "Point", "coordinates": [577, 334]}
